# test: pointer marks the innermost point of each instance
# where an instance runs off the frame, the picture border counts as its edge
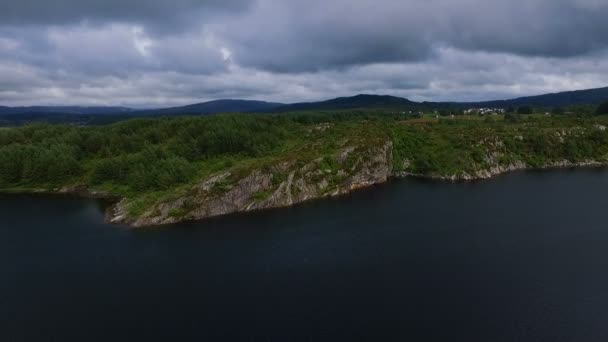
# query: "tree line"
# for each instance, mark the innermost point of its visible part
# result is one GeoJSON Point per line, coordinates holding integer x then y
{"type": "Point", "coordinates": [144, 154]}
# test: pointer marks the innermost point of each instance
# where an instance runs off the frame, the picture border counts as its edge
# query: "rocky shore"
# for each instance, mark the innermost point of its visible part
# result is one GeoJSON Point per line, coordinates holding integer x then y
{"type": "Point", "coordinates": [161, 171]}
{"type": "Point", "coordinates": [260, 189]}
{"type": "Point", "coordinates": [357, 167]}
{"type": "Point", "coordinates": [290, 183]}
{"type": "Point", "coordinates": [500, 170]}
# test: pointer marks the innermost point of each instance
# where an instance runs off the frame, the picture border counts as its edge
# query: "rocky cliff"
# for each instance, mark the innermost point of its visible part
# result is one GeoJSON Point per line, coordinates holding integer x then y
{"type": "Point", "coordinates": [284, 184]}
{"type": "Point", "coordinates": [361, 161]}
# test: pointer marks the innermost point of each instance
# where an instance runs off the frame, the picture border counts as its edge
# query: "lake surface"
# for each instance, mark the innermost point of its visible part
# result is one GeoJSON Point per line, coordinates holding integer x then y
{"type": "Point", "coordinates": [523, 257]}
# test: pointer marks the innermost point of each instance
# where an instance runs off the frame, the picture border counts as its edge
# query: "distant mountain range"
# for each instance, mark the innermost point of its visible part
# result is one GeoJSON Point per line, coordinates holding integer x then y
{"type": "Point", "coordinates": [99, 115]}
{"type": "Point", "coordinates": [63, 110]}
{"type": "Point", "coordinates": [104, 115]}
{"type": "Point", "coordinates": [568, 98]}
{"type": "Point", "coordinates": [212, 107]}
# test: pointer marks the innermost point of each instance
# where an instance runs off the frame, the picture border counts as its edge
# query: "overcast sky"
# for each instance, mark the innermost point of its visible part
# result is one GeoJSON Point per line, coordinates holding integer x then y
{"type": "Point", "coordinates": [151, 53]}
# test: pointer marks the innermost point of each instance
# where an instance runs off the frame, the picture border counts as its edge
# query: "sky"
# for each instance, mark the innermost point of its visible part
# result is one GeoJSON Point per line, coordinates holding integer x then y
{"type": "Point", "coordinates": [155, 53]}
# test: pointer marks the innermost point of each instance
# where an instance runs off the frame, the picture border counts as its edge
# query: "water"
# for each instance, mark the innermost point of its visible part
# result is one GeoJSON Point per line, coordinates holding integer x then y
{"type": "Point", "coordinates": [523, 257]}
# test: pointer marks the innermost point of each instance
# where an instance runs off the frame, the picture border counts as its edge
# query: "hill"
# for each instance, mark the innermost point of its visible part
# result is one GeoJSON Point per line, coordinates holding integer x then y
{"type": "Point", "coordinates": [353, 102]}
{"type": "Point", "coordinates": [568, 98]}
{"type": "Point", "coordinates": [74, 110]}
{"type": "Point", "coordinates": [213, 107]}
{"type": "Point", "coordinates": [63, 114]}
{"type": "Point", "coordinates": [104, 115]}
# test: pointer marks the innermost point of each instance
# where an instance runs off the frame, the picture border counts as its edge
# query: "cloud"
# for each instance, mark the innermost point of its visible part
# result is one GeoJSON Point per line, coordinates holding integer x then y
{"type": "Point", "coordinates": [157, 53]}
{"type": "Point", "coordinates": [448, 78]}
{"type": "Point", "coordinates": [155, 14]}
{"type": "Point", "coordinates": [313, 35]}
{"type": "Point", "coordinates": [113, 49]}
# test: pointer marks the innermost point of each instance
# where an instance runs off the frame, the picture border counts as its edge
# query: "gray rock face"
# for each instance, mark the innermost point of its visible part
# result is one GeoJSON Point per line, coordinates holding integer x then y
{"type": "Point", "coordinates": [496, 170]}
{"type": "Point", "coordinates": [289, 183]}
{"type": "Point", "coordinates": [283, 185]}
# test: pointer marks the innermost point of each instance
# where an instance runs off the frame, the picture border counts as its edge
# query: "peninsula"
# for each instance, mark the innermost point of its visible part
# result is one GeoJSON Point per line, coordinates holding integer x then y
{"type": "Point", "coordinates": [165, 170]}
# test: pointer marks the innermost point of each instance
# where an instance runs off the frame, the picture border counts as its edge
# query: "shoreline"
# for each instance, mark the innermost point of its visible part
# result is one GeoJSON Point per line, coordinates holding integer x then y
{"type": "Point", "coordinates": [491, 173]}
{"type": "Point", "coordinates": [115, 215]}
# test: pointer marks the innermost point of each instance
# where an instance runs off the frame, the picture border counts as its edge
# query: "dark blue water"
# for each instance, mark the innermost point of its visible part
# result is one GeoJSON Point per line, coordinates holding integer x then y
{"type": "Point", "coordinates": [520, 258]}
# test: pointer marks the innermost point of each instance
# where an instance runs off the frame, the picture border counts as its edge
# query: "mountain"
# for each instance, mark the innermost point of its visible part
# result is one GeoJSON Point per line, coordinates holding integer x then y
{"type": "Point", "coordinates": [75, 110]}
{"type": "Point", "coordinates": [353, 102]}
{"type": "Point", "coordinates": [62, 114]}
{"type": "Point", "coordinates": [363, 101]}
{"type": "Point", "coordinates": [568, 98]}
{"type": "Point", "coordinates": [213, 107]}
{"type": "Point", "coordinates": [104, 115]}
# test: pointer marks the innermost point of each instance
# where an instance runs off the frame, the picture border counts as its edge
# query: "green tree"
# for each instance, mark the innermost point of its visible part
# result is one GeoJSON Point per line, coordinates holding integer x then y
{"type": "Point", "coordinates": [12, 159]}
{"type": "Point", "coordinates": [525, 110]}
{"type": "Point", "coordinates": [602, 109]}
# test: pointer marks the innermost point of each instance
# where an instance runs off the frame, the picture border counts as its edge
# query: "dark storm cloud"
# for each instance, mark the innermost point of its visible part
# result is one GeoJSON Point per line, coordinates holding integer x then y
{"type": "Point", "coordinates": [317, 34]}
{"type": "Point", "coordinates": [557, 28]}
{"type": "Point", "coordinates": [158, 52]}
{"type": "Point", "coordinates": [155, 13]}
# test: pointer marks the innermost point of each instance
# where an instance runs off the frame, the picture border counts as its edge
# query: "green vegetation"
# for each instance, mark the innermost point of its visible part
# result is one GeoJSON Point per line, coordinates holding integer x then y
{"type": "Point", "coordinates": [525, 110]}
{"type": "Point", "coordinates": [134, 157]}
{"type": "Point", "coordinates": [150, 160]}
{"type": "Point", "coordinates": [451, 147]}
{"type": "Point", "coordinates": [602, 109]}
